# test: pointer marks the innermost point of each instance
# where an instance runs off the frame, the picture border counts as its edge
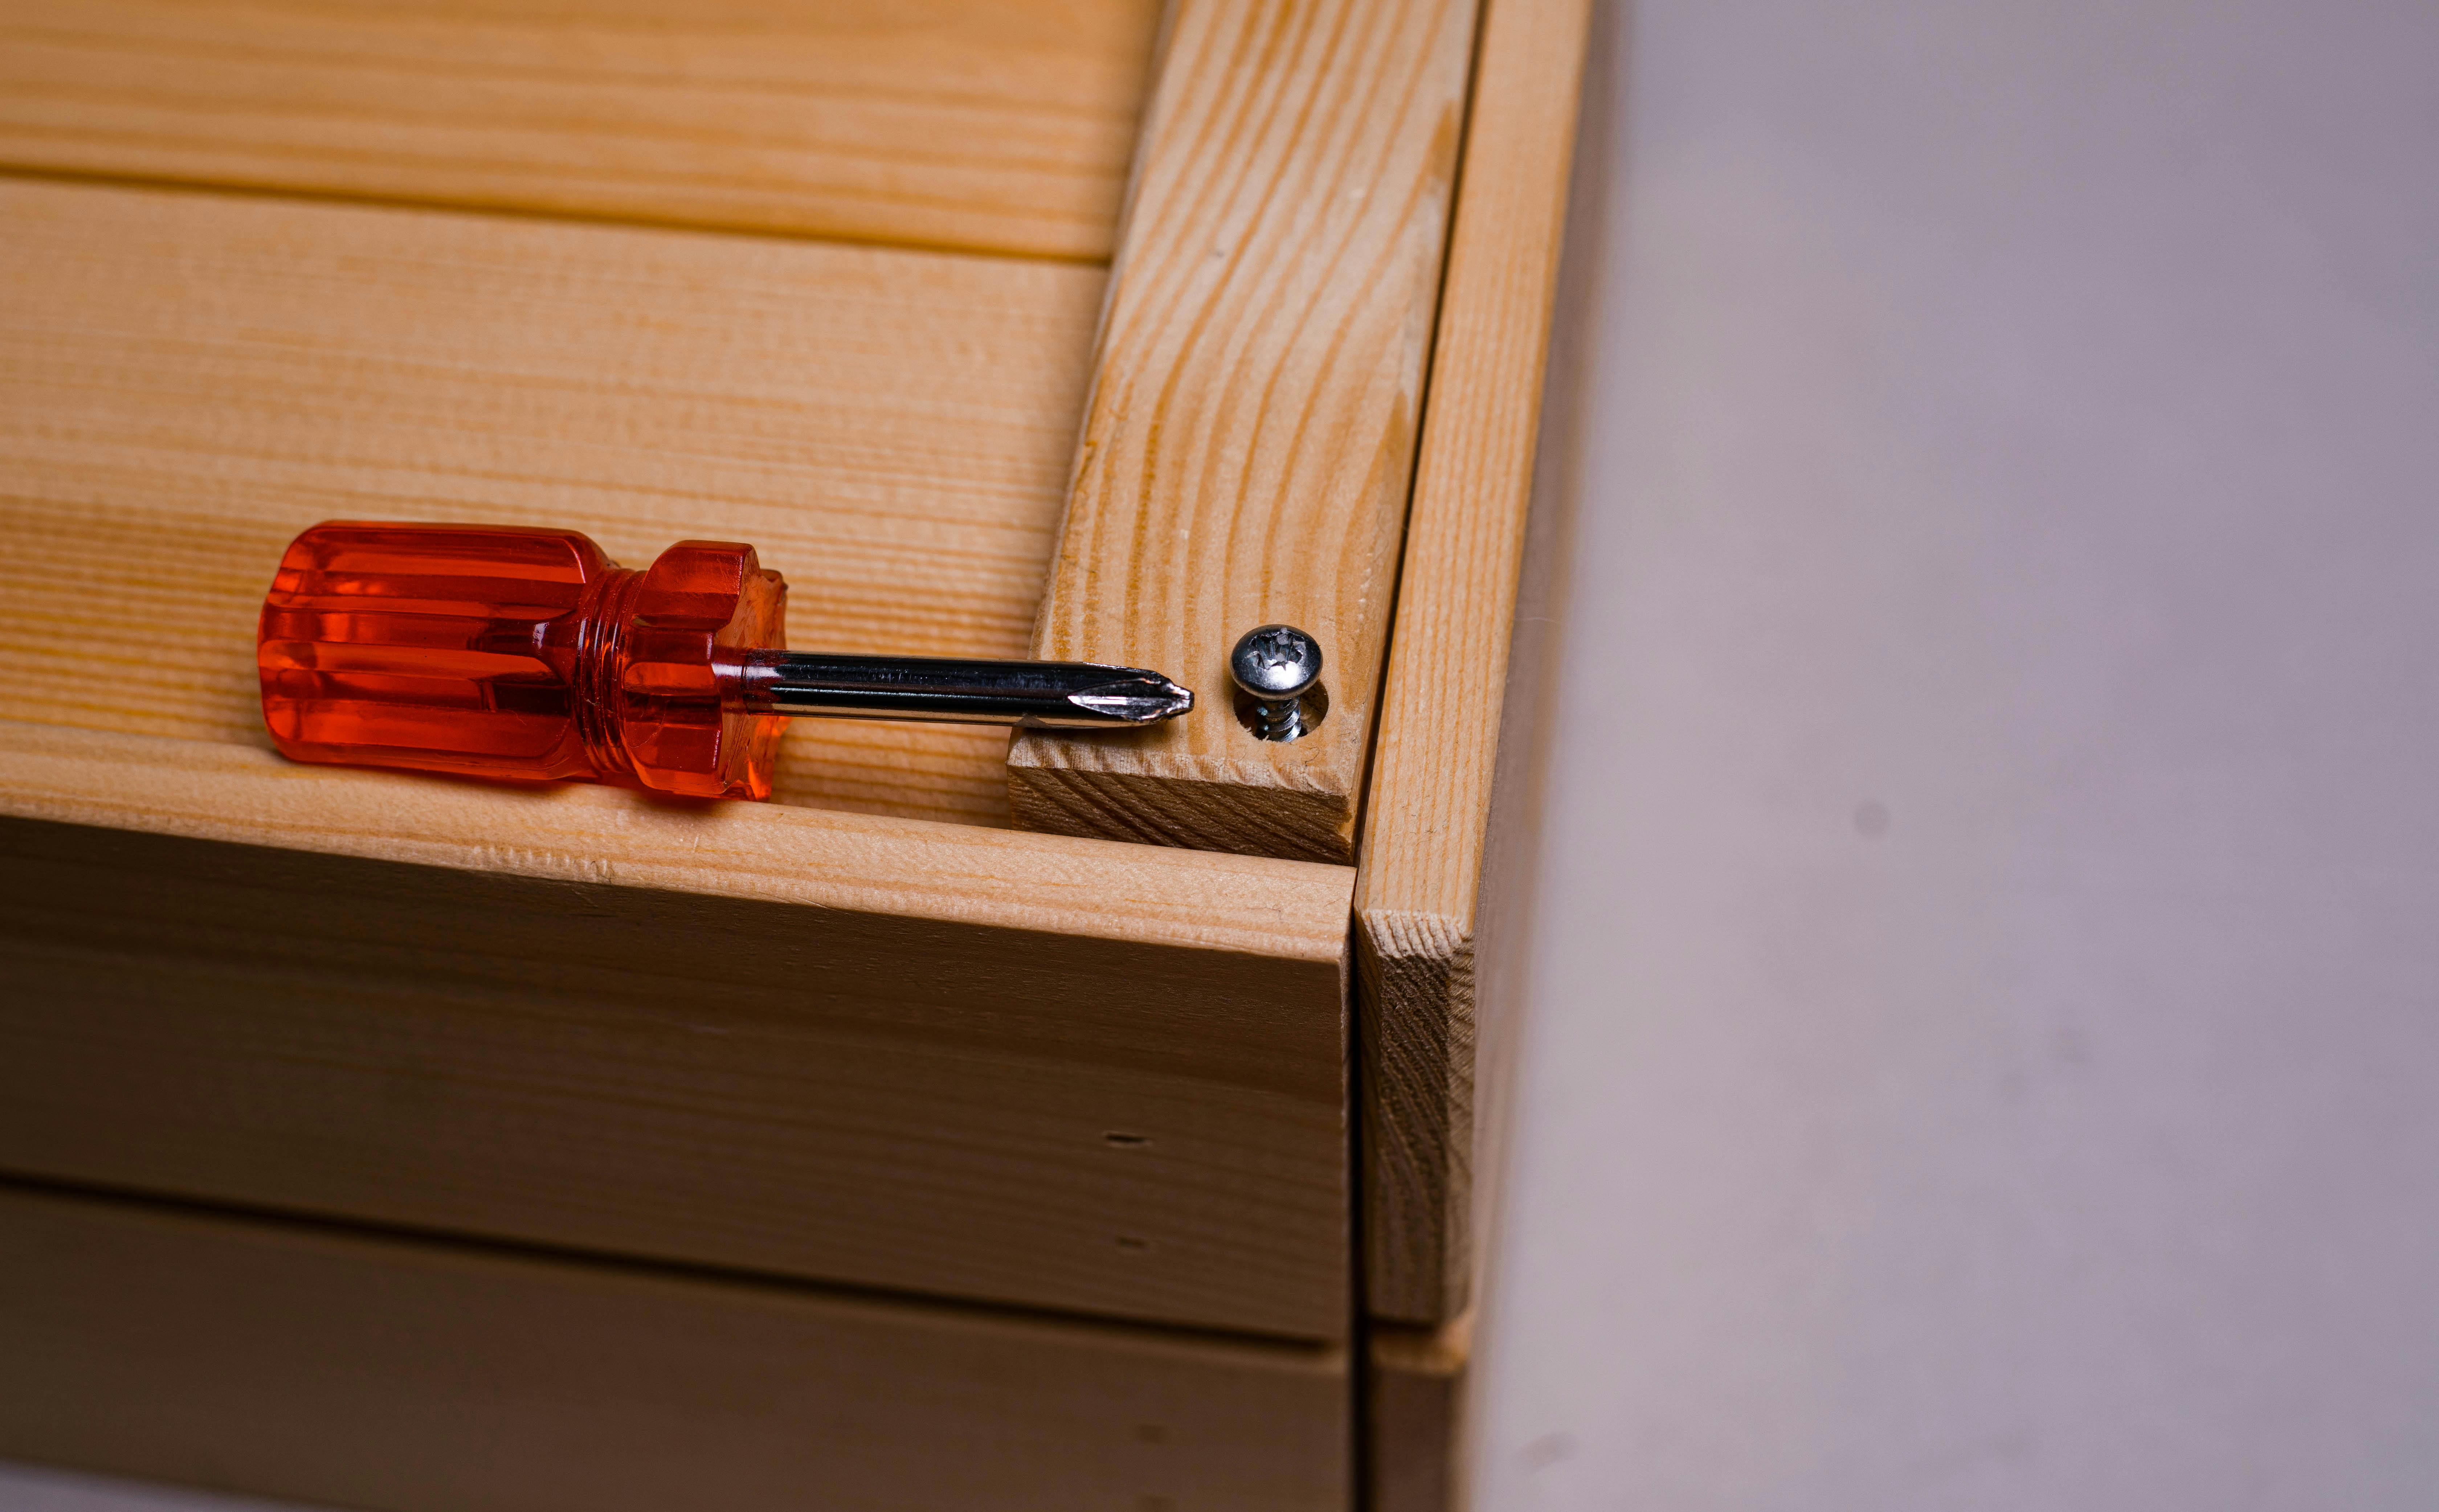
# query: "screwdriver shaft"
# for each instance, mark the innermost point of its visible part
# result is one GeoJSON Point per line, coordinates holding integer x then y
{"type": "Point", "coordinates": [1036, 695]}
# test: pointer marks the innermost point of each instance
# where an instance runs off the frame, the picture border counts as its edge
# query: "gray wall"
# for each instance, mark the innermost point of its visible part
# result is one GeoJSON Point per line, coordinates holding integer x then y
{"type": "Point", "coordinates": [1983, 997]}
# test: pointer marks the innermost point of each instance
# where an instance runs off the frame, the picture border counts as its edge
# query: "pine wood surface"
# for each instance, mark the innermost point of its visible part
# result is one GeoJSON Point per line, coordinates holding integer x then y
{"type": "Point", "coordinates": [994, 125]}
{"type": "Point", "coordinates": [1415, 1408]}
{"type": "Point", "coordinates": [965, 1062]}
{"type": "Point", "coordinates": [290, 1362]}
{"type": "Point", "coordinates": [187, 380]}
{"type": "Point", "coordinates": [1418, 896]}
{"type": "Point", "coordinates": [1249, 435]}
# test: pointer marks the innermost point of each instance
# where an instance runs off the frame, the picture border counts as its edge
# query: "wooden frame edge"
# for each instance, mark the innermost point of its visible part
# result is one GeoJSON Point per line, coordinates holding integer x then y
{"type": "Point", "coordinates": [1427, 826]}
{"type": "Point", "coordinates": [1247, 448]}
{"type": "Point", "coordinates": [608, 836]}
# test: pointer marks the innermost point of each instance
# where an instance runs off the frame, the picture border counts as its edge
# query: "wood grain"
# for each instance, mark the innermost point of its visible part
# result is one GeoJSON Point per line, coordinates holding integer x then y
{"type": "Point", "coordinates": [994, 125]}
{"type": "Point", "coordinates": [340, 1369]}
{"type": "Point", "coordinates": [1247, 445]}
{"type": "Point", "coordinates": [187, 380]}
{"type": "Point", "coordinates": [1415, 1408]}
{"type": "Point", "coordinates": [1428, 821]}
{"type": "Point", "coordinates": [972, 1062]}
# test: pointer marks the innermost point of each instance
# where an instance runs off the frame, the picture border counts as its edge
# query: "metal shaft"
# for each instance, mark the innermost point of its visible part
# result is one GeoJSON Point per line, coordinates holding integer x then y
{"type": "Point", "coordinates": [1037, 695]}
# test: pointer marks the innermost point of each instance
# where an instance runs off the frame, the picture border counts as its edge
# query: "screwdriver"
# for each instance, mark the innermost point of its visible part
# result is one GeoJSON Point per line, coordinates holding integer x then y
{"type": "Point", "coordinates": [528, 655]}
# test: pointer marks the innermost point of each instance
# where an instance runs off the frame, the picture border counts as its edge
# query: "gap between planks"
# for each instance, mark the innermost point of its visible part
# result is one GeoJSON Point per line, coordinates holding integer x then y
{"type": "Point", "coordinates": [777, 1039]}
{"type": "Point", "coordinates": [292, 1361]}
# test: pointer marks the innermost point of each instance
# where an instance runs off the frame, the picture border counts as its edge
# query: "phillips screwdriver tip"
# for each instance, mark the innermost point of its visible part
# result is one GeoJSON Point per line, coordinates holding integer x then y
{"type": "Point", "coordinates": [1136, 697]}
{"type": "Point", "coordinates": [1033, 695]}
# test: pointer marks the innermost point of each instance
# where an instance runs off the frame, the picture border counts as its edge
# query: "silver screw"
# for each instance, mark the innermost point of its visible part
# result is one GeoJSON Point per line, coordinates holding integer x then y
{"type": "Point", "coordinates": [1276, 666]}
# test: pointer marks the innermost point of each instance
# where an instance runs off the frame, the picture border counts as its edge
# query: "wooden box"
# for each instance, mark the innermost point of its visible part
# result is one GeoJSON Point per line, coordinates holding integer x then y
{"type": "Point", "coordinates": [977, 1124]}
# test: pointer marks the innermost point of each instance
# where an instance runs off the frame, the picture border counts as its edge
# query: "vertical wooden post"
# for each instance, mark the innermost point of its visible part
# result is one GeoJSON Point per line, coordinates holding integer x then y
{"type": "Point", "coordinates": [1418, 897]}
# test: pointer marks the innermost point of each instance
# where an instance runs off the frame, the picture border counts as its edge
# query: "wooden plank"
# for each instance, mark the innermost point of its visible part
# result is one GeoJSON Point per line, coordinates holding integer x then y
{"type": "Point", "coordinates": [187, 380]}
{"type": "Point", "coordinates": [1414, 1390]}
{"type": "Point", "coordinates": [966, 1061]}
{"type": "Point", "coordinates": [342, 1369]}
{"type": "Point", "coordinates": [980, 124]}
{"type": "Point", "coordinates": [1248, 440]}
{"type": "Point", "coordinates": [1426, 832]}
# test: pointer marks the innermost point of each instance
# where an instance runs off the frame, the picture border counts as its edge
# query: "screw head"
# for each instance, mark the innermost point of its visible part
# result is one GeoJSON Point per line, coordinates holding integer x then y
{"type": "Point", "coordinates": [1275, 662]}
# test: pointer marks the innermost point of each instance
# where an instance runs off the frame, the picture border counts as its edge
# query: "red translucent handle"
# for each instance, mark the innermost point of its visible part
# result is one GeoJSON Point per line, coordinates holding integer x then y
{"type": "Point", "coordinates": [494, 651]}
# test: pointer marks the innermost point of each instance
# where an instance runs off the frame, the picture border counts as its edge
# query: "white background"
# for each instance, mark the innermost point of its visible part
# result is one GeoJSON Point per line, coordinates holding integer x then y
{"type": "Point", "coordinates": [1983, 1046]}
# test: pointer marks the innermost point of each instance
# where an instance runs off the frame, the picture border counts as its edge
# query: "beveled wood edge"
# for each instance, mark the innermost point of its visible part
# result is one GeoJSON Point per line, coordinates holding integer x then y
{"type": "Point", "coordinates": [1045, 884]}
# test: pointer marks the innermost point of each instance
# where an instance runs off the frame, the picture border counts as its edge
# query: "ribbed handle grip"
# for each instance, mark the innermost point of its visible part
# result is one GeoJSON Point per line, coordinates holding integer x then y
{"type": "Point", "coordinates": [494, 651]}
